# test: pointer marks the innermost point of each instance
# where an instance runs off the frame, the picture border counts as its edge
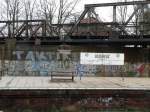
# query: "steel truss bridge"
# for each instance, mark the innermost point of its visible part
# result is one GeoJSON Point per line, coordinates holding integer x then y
{"type": "Point", "coordinates": [27, 31]}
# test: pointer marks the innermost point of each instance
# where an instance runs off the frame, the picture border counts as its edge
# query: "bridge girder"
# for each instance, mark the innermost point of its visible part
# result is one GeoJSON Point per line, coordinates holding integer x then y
{"type": "Point", "coordinates": [139, 4]}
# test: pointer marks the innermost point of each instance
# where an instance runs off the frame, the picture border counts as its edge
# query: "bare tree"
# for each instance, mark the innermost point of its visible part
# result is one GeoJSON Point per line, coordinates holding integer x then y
{"type": "Point", "coordinates": [48, 10]}
{"type": "Point", "coordinates": [122, 12]}
{"type": "Point", "coordinates": [141, 19]}
{"type": "Point", "coordinates": [136, 20]}
{"type": "Point", "coordinates": [53, 11]}
{"type": "Point", "coordinates": [57, 11]}
{"type": "Point", "coordinates": [13, 10]}
{"type": "Point", "coordinates": [125, 16]}
{"type": "Point", "coordinates": [29, 7]}
{"type": "Point", "coordinates": [146, 21]}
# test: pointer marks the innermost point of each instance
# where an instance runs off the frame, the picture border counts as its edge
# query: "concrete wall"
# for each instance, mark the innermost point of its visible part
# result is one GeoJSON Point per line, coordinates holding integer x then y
{"type": "Point", "coordinates": [40, 61]}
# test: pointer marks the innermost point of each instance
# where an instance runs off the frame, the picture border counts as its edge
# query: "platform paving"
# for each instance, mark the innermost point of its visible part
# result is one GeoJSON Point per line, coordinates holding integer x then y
{"type": "Point", "coordinates": [44, 83]}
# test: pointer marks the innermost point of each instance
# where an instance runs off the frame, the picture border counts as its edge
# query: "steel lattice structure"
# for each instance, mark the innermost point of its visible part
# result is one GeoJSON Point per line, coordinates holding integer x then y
{"type": "Point", "coordinates": [26, 31]}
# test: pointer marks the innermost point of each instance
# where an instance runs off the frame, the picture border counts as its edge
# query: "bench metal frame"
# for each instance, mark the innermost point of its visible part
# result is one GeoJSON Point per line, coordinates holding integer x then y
{"type": "Point", "coordinates": [61, 75]}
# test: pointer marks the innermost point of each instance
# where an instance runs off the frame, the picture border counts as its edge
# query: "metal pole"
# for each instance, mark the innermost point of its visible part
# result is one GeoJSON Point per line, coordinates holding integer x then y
{"type": "Point", "coordinates": [114, 13]}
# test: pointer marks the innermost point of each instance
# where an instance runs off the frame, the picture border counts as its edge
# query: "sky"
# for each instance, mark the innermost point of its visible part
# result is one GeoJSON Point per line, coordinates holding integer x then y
{"type": "Point", "coordinates": [100, 1]}
{"type": "Point", "coordinates": [104, 13]}
{"type": "Point", "coordinates": [83, 2]}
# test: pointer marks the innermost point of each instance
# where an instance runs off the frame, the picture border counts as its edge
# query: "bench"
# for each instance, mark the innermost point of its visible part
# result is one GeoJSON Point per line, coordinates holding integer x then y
{"type": "Point", "coordinates": [62, 76]}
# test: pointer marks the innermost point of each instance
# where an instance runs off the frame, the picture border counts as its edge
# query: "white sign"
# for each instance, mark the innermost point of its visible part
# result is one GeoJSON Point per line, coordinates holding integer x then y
{"type": "Point", "coordinates": [102, 58]}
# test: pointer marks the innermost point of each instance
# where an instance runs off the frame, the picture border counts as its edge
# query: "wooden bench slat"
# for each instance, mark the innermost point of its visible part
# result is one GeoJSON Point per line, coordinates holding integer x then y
{"type": "Point", "coordinates": [61, 76]}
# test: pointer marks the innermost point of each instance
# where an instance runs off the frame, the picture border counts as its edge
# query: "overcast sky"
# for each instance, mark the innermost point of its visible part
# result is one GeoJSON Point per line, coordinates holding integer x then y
{"type": "Point", "coordinates": [98, 1]}
{"type": "Point", "coordinates": [104, 13]}
{"type": "Point", "coordinates": [104, 10]}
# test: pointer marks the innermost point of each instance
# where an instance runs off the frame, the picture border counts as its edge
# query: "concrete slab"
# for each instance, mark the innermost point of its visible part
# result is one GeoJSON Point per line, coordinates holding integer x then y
{"type": "Point", "coordinates": [104, 83]}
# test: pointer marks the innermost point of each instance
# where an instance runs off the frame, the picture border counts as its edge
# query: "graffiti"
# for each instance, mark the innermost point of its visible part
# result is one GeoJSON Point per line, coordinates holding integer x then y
{"type": "Point", "coordinates": [140, 68]}
{"type": "Point", "coordinates": [90, 104]}
{"type": "Point", "coordinates": [85, 69]}
{"type": "Point", "coordinates": [136, 69]}
{"type": "Point", "coordinates": [43, 67]}
{"type": "Point", "coordinates": [105, 101]}
{"type": "Point", "coordinates": [33, 56]}
{"type": "Point", "coordinates": [42, 62]}
{"type": "Point", "coordinates": [50, 61]}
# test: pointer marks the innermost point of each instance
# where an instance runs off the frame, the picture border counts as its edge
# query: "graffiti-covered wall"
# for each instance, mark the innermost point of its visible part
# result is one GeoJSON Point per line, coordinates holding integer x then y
{"type": "Point", "coordinates": [30, 62]}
